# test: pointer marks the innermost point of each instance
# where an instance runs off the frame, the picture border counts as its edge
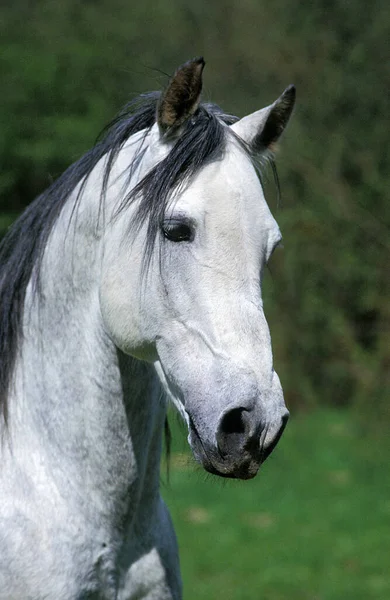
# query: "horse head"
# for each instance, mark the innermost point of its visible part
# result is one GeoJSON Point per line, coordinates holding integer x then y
{"type": "Point", "coordinates": [199, 314]}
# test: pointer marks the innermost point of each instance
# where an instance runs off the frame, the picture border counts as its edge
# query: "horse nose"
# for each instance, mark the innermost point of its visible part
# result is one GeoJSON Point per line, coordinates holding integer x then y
{"type": "Point", "coordinates": [236, 430]}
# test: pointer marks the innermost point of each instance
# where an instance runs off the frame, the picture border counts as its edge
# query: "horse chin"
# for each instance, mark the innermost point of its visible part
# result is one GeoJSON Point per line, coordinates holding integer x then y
{"type": "Point", "coordinates": [242, 471]}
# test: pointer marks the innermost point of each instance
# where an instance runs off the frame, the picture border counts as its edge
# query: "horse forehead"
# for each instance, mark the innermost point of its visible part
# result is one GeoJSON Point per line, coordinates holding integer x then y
{"type": "Point", "coordinates": [234, 174]}
{"type": "Point", "coordinates": [229, 188]}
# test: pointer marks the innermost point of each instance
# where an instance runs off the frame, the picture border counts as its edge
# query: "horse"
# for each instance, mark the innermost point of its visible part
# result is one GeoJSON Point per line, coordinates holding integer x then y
{"type": "Point", "coordinates": [135, 278]}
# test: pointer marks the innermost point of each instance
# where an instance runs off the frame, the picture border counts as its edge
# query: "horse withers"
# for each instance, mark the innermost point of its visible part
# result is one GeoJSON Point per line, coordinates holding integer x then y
{"type": "Point", "coordinates": [137, 272]}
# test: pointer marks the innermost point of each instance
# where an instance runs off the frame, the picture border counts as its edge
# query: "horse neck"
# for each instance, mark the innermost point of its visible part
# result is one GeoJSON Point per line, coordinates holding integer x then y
{"type": "Point", "coordinates": [90, 413]}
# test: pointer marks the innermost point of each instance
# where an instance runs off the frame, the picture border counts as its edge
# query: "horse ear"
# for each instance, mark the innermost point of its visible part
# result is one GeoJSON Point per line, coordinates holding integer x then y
{"type": "Point", "coordinates": [181, 98]}
{"type": "Point", "coordinates": [262, 129]}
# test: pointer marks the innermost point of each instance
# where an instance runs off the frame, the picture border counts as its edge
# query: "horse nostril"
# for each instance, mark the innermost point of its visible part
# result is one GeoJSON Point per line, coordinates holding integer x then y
{"type": "Point", "coordinates": [232, 432]}
{"type": "Point", "coordinates": [233, 422]}
{"type": "Point", "coordinates": [285, 419]}
{"type": "Point", "coordinates": [267, 451]}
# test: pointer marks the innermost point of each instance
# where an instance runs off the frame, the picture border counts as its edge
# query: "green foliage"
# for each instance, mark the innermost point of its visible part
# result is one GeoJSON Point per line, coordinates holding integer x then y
{"type": "Point", "coordinates": [67, 68]}
{"type": "Point", "coordinates": [312, 525]}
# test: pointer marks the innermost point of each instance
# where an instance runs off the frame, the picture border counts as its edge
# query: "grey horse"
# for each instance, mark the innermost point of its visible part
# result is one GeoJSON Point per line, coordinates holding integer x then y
{"type": "Point", "coordinates": [135, 277]}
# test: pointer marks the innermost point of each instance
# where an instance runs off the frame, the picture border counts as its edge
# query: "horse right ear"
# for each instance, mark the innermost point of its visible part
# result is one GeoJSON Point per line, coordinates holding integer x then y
{"type": "Point", "coordinates": [262, 129]}
{"type": "Point", "coordinates": [181, 98]}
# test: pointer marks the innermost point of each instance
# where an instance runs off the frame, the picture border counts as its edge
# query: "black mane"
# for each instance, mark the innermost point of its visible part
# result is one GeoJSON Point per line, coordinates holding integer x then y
{"type": "Point", "coordinates": [22, 249]}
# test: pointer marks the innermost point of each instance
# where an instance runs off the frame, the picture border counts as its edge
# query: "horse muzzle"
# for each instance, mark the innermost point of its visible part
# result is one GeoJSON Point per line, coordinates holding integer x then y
{"type": "Point", "coordinates": [241, 444]}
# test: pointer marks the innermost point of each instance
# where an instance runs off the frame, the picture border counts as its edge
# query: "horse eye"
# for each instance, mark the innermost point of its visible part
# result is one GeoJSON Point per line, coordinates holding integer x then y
{"type": "Point", "coordinates": [177, 231]}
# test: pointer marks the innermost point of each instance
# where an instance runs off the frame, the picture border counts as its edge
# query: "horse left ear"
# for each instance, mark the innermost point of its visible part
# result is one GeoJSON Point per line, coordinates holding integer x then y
{"type": "Point", "coordinates": [181, 98]}
{"type": "Point", "coordinates": [262, 129]}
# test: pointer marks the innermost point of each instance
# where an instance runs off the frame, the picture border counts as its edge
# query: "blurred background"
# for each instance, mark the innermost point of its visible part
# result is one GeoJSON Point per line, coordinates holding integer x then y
{"type": "Point", "coordinates": [315, 523]}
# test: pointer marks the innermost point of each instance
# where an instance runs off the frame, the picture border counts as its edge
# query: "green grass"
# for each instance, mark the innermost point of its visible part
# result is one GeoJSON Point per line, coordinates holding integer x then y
{"type": "Point", "coordinates": [314, 524]}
